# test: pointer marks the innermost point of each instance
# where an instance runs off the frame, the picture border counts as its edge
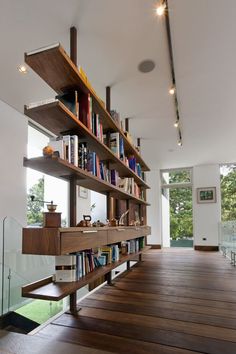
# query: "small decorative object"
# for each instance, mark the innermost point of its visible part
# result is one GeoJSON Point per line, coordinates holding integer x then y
{"type": "Point", "coordinates": [48, 151]}
{"type": "Point", "coordinates": [86, 222]}
{"type": "Point", "coordinates": [122, 218]}
{"type": "Point", "coordinates": [50, 218]}
{"type": "Point", "coordinates": [206, 195]}
{"type": "Point", "coordinates": [98, 223]}
{"type": "Point", "coordinates": [83, 192]}
{"type": "Point", "coordinates": [113, 222]}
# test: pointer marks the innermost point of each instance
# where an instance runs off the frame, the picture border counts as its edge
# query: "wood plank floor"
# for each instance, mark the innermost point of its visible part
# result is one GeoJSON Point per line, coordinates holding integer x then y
{"type": "Point", "coordinates": [176, 301]}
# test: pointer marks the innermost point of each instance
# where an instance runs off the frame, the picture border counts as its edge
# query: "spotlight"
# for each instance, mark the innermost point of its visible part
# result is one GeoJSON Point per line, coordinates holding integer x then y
{"type": "Point", "coordinates": [180, 142]}
{"type": "Point", "coordinates": [172, 90]}
{"type": "Point", "coordinates": [160, 10]}
{"type": "Point", "coordinates": [176, 124]}
{"type": "Point", "coordinates": [22, 69]}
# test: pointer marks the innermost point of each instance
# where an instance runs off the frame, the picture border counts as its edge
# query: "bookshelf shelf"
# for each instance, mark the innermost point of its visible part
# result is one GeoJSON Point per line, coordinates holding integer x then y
{"type": "Point", "coordinates": [46, 289]}
{"type": "Point", "coordinates": [56, 68]}
{"type": "Point", "coordinates": [56, 167]}
{"type": "Point", "coordinates": [57, 118]}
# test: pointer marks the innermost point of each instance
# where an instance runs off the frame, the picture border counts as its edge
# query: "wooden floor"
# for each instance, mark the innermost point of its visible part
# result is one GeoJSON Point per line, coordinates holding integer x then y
{"type": "Point", "coordinates": [174, 302]}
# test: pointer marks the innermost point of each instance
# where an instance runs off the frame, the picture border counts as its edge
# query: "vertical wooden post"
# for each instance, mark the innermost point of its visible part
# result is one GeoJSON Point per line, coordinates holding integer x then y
{"type": "Point", "coordinates": [108, 99]}
{"type": "Point", "coordinates": [73, 45]}
{"type": "Point", "coordinates": [73, 185]}
{"type": "Point", "coordinates": [126, 124]}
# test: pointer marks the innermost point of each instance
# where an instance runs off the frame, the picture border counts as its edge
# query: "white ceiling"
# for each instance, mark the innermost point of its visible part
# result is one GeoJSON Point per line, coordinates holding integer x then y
{"type": "Point", "coordinates": [113, 38]}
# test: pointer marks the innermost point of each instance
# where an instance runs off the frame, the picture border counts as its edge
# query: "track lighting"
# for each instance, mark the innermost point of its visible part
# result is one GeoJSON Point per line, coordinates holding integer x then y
{"type": "Point", "coordinates": [160, 10]}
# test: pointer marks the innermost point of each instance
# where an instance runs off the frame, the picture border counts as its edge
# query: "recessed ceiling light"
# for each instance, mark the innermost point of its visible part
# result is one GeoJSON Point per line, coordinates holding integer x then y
{"type": "Point", "coordinates": [22, 69]}
{"type": "Point", "coordinates": [172, 90]}
{"type": "Point", "coordinates": [146, 66]}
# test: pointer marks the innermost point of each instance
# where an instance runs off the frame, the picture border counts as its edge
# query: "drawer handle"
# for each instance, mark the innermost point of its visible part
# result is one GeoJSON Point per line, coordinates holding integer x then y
{"type": "Point", "coordinates": [90, 231]}
{"type": "Point", "coordinates": [120, 229]}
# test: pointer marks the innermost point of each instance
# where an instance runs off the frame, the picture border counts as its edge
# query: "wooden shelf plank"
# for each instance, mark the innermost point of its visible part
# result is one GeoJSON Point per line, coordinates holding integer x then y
{"type": "Point", "coordinates": [46, 289]}
{"type": "Point", "coordinates": [55, 67]}
{"type": "Point", "coordinates": [58, 119]}
{"type": "Point", "coordinates": [59, 168]}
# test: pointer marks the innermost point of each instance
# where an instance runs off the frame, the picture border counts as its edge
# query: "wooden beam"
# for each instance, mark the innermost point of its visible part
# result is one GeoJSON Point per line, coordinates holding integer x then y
{"type": "Point", "coordinates": [73, 45]}
{"type": "Point", "coordinates": [108, 99]}
{"type": "Point", "coordinates": [73, 201]}
{"type": "Point", "coordinates": [126, 124]}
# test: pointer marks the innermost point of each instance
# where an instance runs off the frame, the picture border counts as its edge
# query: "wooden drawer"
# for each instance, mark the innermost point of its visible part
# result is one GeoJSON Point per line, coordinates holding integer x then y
{"type": "Point", "coordinates": [119, 234]}
{"type": "Point", "coordinates": [80, 240]}
{"type": "Point", "coordinates": [43, 241]}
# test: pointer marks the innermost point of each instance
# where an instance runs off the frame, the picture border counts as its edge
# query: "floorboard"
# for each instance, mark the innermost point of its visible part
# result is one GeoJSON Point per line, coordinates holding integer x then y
{"type": "Point", "coordinates": [174, 301]}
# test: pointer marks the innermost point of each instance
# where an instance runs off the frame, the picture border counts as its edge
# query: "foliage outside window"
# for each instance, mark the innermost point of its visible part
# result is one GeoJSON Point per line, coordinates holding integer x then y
{"type": "Point", "coordinates": [181, 211]}
{"type": "Point", "coordinates": [35, 208]}
{"type": "Point", "coordinates": [228, 192]}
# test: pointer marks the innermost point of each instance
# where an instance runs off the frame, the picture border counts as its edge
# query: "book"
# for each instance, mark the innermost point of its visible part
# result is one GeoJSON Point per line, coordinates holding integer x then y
{"type": "Point", "coordinates": [67, 148]}
{"type": "Point", "coordinates": [65, 268]}
{"type": "Point", "coordinates": [115, 143]}
{"type": "Point", "coordinates": [85, 110]}
{"type": "Point", "coordinates": [74, 149]}
{"type": "Point", "coordinates": [57, 144]}
{"type": "Point", "coordinates": [70, 100]}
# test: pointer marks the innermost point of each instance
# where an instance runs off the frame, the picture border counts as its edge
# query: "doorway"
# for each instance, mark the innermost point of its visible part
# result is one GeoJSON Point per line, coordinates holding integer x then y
{"type": "Point", "coordinates": [177, 208]}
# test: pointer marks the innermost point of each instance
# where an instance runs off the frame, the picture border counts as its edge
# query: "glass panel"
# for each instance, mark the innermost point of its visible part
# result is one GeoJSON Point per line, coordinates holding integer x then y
{"type": "Point", "coordinates": [18, 269]}
{"type": "Point", "coordinates": [227, 237]}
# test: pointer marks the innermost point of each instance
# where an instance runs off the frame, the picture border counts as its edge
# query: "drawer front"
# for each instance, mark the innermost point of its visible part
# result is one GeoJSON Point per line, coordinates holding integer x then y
{"type": "Point", "coordinates": [118, 235]}
{"type": "Point", "coordinates": [81, 240]}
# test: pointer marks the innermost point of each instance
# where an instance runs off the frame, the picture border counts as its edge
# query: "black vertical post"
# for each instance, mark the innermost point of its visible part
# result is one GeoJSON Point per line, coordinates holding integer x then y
{"type": "Point", "coordinates": [126, 124]}
{"type": "Point", "coordinates": [108, 99]}
{"type": "Point", "coordinates": [73, 45]}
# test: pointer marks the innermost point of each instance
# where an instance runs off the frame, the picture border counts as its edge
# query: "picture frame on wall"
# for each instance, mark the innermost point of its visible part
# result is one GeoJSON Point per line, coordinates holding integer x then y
{"type": "Point", "coordinates": [206, 195]}
{"type": "Point", "coordinates": [83, 192]}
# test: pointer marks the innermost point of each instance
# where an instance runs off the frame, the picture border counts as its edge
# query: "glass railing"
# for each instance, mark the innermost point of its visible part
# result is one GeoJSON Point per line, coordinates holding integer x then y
{"type": "Point", "coordinates": [227, 239]}
{"type": "Point", "coordinates": [16, 268]}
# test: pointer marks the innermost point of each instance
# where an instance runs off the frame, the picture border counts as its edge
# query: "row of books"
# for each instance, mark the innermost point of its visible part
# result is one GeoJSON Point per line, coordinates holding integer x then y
{"type": "Point", "coordinates": [129, 185]}
{"type": "Point", "coordinates": [69, 268]}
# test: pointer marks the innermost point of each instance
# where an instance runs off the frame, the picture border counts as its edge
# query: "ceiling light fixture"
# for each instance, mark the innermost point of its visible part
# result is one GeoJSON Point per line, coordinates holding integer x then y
{"type": "Point", "coordinates": [22, 69]}
{"type": "Point", "coordinates": [180, 143]}
{"type": "Point", "coordinates": [160, 10]}
{"type": "Point", "coordinates": [172, 90]}
{"type": "Point", "coordinates": [176, 124]}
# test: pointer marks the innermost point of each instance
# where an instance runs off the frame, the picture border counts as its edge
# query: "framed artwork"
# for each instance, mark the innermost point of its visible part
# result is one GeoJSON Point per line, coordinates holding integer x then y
{"type": "Point", "coordinates": [83, 192]}
{"type": "Point", "coordinates": [206, 195]}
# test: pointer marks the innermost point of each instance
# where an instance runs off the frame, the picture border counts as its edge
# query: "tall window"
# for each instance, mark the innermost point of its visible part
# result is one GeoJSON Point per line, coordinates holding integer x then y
{"type": "Point", "coordinates": [43, 187]}
{"type": "Point", "coordinates": [228, 192]}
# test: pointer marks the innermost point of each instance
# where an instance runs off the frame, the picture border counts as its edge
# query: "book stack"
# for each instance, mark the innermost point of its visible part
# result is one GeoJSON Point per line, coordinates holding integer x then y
{"type": "Point", "coordinates": [105, 255]}
{"type": "Point", "coordinates": [116, 144]}
{"type": "Point", "coordinates": [128, 185]}
{"type": "Point", "coordinates": [66, 148]}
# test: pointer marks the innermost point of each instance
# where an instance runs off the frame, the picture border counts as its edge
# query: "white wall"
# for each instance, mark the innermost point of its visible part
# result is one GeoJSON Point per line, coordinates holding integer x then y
{"type": "Point", "coordinates": [154, 211]}
{"type": "Point", "coordinates": [83, 205]}
{"type": "Point", "coordinates": [13, 145]}
{"type": "Point", "coordinates": [100, 210]}
{"type": "Point", "coordinates": [206, 216]}
{"type": "Point", "coordinates": [165, 206]}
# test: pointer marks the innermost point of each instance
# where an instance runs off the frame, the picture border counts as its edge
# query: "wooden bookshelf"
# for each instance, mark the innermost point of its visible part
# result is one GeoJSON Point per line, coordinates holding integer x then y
{"type": "Point", "coordinates": [57, 118]}
{"type": "Point", "coordinates": [46, 289]}
{"type": "Point", "coordinates": [56, 167]}
{"type": "Point", "coordinates": [56, 68]}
